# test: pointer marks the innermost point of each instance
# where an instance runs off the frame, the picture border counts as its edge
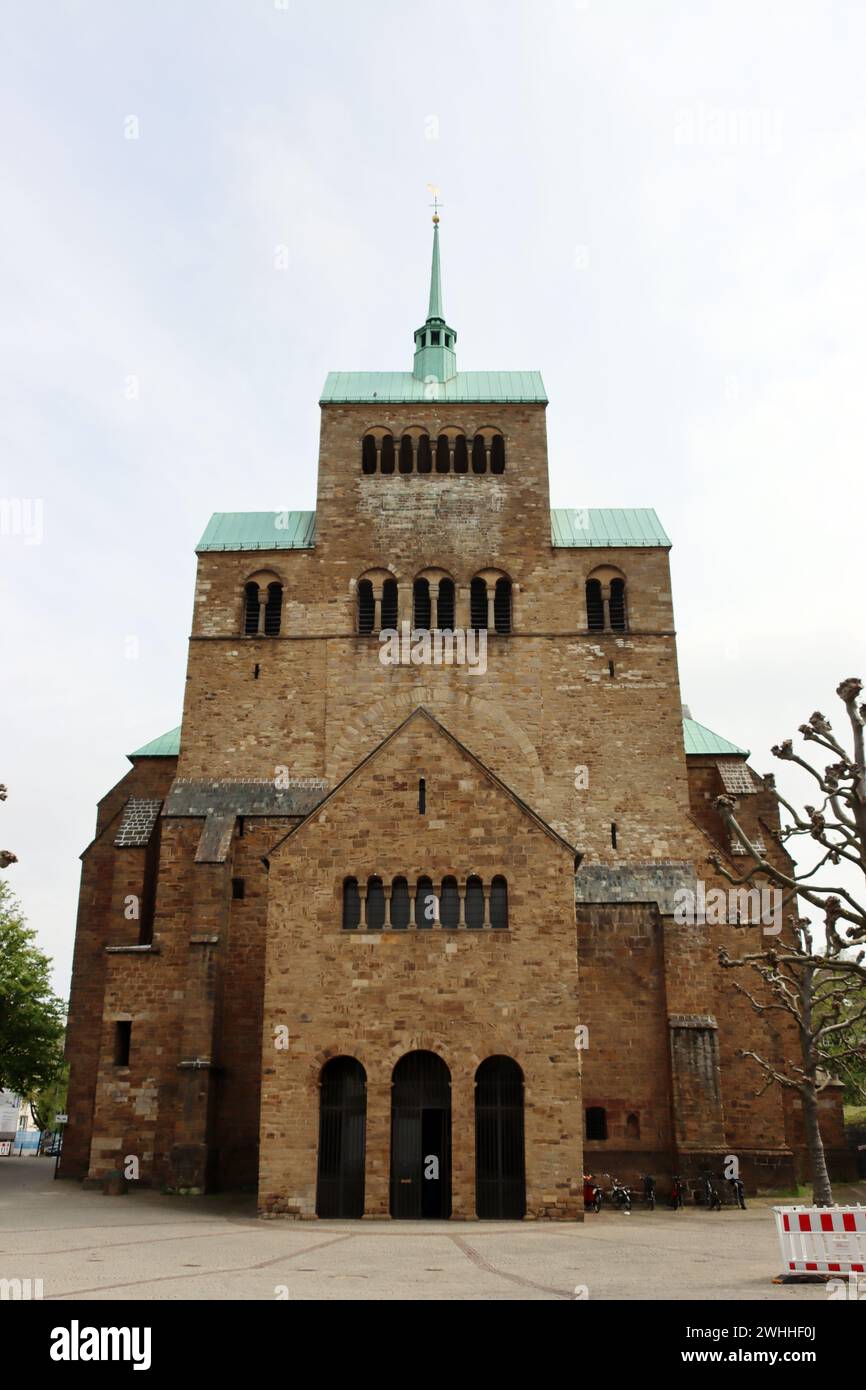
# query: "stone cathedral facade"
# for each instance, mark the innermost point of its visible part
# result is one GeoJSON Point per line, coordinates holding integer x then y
{"type": "Point", "coordinates": [389, 926]}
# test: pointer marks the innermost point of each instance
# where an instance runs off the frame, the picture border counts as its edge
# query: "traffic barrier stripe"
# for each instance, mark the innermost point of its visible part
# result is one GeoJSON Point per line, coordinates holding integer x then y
{"type": "Point", "coordinates": [823, 1240]}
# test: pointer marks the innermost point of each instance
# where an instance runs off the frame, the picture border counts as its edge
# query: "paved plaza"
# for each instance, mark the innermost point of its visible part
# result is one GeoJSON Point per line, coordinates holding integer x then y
{"type": "Point", "coordinates": [146, 1245]}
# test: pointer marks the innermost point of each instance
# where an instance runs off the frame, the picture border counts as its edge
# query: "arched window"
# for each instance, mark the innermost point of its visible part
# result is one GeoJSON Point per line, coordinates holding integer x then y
{"type": "Point", "coordinates": [478, 604]}
{"type": "Point", "coordinates": [342, 1123]}
{"type": "Point", "coordinates": [366, 608]}
{"type": "Point", "coordinates": [386, 462]}
{"type": "Point", "coordinates": [449, 903]}
{"type": "Point", "coordinates": [596, 1122]}
{"type": "Point", "coordinates": [499, 902]}
{"type": "Point", "coordinates": [375, 904]}
{"type": "Point", "coordinates": [407, 454]}
{"type": "Point", "coordinates": [421, 603]}
{"type": "Point", "coordinates": [425, 903]}
{"type": "Point", "coordinates": [351, 904]}
{"type": "Point", "coordinates": [400, 904]}
{"type": "Point", "coordinates": [445, 605]}
{"type": "Point", "coordinates": [389, 604]}
{"type": "Point", "coordinates": [425, 458]}
{"type": "Point", "coordinates": [502, 606]}
{"type": "Point", "coordinates": [273, 610]}
{"type": "Point", "coordinates": [479, 455]}
{"type": "Point", "coordinates": [474, 902]}
{"type": "Point", "coordinates": [617, 605]}
{"type": "Point", "coordinates": [500, 1184]}
{"type": "Point", "coordinates": [632, 1127]}
{"type": "Point", "coordinates": [594, 606]}
{"type": "Point", "coordinates": [443, 454]}
{"type": "Point", "coordinates": [368, 454]}
{"type": "Point", "coordinates": [497, 455]}
{"type": "Point", "coordinates": [461, 455]}
{"type": "Point", "coordinates": [251, 609]}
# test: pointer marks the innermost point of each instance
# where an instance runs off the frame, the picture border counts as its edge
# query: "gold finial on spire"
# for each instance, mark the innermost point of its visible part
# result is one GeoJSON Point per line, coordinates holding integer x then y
{"type": "Point", "coordinates": [435, 205]}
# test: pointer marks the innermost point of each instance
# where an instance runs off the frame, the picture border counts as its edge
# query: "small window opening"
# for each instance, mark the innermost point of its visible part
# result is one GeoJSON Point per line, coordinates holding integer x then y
{"type": "Point", "coordinates": [421, 606]}
{"type": "Point", "coordinates": [613, 834]}
{"type": "Point", "coordinates": [594, 606]}
{"type": "Point", "coordinates": [632, 1127]}
{"type": "Point", "coordinates": [422, 796]}
{"type": "Point", "coordinates": [596, 1122]}
{"type": "Point", "coordinates": [389, 604]}
{"type": "Point", "coordinates": [122, 1042]}
{"type": "Point", "coordinates": [445, 605]}
{"type": "Point", "coordinates": [366, 608]}
{"type": "Point", "coordinates": [478, 604]}
{"type": "Point", "coordinates": [461, 454]}
{"type": "Point", "coordinates": [241, 827]}
{"type": "Point", "coordinates": [435, 337]}
{"type": "Point", "coordinates": [611, 670]}
{"type": "Point", "coordinates": [238, 888]}
{"type": "Point", "coordinates": [256, 670]}
{"type": "Point", "coordinates": [443, 454]}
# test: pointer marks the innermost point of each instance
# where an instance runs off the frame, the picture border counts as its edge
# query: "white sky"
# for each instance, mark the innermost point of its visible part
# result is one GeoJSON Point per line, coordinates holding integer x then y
{"type": "Point", "coordinates": [661, 206]}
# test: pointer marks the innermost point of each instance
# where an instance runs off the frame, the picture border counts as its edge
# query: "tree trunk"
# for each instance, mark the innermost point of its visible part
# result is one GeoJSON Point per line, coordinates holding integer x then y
{"type": "Point", "coordinates": [822, 1193]}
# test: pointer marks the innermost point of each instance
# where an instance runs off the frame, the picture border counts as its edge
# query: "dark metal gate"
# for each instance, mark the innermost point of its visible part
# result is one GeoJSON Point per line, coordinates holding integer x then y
{"type": "Point", "coordinates": [342, 1124]}
{"type": "Point", "coordinates": [421, 1137]}
{"type": "Point", "coordinates": [500, 1177]}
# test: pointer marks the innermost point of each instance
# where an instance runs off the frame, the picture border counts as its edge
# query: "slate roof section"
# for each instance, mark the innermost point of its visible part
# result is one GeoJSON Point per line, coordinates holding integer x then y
{"type": "Point", "coordinates": [137, 823]}
{"type": "Point", "coordinates": [247, 797]}
{"type": "Point", "coordinates": [216, 839]}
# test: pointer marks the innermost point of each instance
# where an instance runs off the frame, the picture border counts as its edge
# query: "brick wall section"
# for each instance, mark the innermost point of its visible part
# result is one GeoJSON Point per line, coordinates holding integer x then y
{"type": "Point", "coordinates": [487, 992]}
{"type": "Point", "coordinates": [105, 871]}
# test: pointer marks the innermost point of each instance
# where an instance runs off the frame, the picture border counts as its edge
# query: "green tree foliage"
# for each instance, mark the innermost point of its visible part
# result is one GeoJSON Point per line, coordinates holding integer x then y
{"type": "Point", "coordinates": [31, 1015]}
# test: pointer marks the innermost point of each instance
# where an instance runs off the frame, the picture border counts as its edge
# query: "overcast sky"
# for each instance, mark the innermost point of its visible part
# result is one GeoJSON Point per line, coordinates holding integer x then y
{"type": "Point", "coordinates": [661, 206]}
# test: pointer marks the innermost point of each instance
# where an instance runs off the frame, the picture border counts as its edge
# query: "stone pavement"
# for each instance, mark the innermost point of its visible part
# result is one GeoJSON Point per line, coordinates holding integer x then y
{"type": "Point", "coordinates": [146, 1245]}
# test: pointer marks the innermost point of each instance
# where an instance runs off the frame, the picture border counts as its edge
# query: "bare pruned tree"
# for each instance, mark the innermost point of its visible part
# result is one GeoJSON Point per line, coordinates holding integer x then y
{"type": "Point", "coordinates": [817, 984]}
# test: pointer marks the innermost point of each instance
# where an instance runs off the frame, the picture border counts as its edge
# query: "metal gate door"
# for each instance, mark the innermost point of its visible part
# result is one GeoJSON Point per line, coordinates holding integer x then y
{"type": "Point", "coordinates": [500, 1180]}
{"type": "Point", "coordinates": [342, 1124]}
{"type": "Point", "coordinates": [421, 1138]}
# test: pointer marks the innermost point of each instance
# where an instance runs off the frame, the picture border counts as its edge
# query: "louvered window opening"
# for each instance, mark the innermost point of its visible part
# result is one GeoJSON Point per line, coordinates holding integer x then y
{"type": "Point", "coordinates": [419, 454]}
{"type": "Point", "coordinates": [368, 905]}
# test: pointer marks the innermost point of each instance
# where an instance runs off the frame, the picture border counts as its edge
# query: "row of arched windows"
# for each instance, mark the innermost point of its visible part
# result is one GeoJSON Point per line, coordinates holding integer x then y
{"type": "Point", "coordinates": [433, 604]}
{"type": "Point", "coordinates": [485, 453]}
{"type": "Point", "coordinates": [374, 906]}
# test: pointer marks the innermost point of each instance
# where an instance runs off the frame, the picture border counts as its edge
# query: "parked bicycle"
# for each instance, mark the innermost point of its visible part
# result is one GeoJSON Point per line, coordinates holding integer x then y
{"type": "Point", "coordinates": [677, 1193]}
{"type": "Point", "coordinates": [649, 1191]}
{"type": "Point", "coordinates": [739, 1192]}
{"type": "Point", "coordinates": [711, 1197]}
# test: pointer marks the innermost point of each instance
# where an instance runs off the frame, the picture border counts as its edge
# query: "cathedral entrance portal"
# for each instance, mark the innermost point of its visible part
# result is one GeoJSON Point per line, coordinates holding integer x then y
{"type": "Point", "coordinates": [421, 1138]}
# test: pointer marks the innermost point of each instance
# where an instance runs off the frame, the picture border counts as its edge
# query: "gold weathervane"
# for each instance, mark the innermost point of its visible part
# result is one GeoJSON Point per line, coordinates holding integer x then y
{"type": "Point", "coordinates": [435, 205]}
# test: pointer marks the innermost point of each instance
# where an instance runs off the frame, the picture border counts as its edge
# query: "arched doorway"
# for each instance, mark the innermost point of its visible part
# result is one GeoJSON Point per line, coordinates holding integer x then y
{"type": "Point", "coordinates": [500, 1178]}
{"type": "Point", "coordinates": [421, 1137]}
{"type": "Point", "coordinates": [342, 1123]}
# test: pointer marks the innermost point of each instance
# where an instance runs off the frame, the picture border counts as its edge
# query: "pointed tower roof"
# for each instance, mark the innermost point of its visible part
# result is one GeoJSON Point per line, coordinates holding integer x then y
{"type": "Point", "coordinates": [435, 358]}
{"type": "Point", "coordinates": [434, 310]}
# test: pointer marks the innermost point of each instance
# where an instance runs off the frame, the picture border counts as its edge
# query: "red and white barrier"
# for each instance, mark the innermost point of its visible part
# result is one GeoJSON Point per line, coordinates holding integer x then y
{"type": "Point", "coordinates": [822, 1240]}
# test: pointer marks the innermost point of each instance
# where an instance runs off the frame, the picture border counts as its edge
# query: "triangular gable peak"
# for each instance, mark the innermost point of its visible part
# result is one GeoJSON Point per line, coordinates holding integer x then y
{"type": "Point", "coordinates": [421, 713]}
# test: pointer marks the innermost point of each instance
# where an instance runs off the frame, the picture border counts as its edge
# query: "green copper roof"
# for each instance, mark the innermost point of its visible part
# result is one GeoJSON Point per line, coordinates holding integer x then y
{"type": "Point", "coordinates": [607, 527]}
{"type": "Point", "coordinates": [403, 387]}
{"type": "Point", "coordinates": [700, 740]}
{"type": "Point", "coordinates": [166, 746]}
{"type": "Point", "coordinates": [259, 531]}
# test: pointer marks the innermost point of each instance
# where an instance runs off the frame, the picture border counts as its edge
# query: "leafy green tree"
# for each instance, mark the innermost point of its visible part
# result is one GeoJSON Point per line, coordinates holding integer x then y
{"type": "Point", "coordinates": [50, 1100]}
{"type": "Point", "coordinates": [31, 1015]}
